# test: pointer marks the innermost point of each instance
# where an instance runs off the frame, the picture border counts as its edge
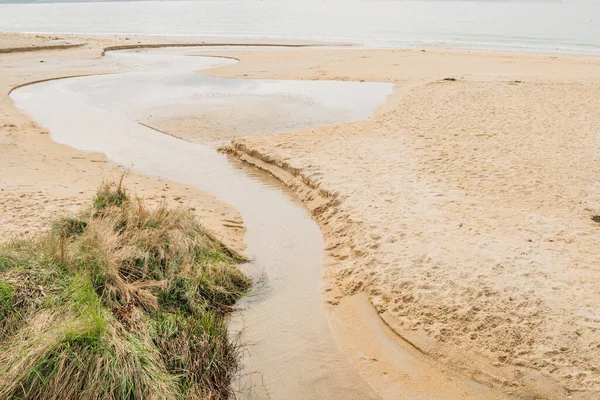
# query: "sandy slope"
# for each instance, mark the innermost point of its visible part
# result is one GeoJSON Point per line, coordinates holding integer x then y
{"type": "Point", "coordinates": [463, 208]}
{"type": "Point", "coordinates": [40, 178]}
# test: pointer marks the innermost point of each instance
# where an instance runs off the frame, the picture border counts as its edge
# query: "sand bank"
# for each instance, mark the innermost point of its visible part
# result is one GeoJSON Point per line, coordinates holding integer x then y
{"type": "Point", "coordinates": [462, 208]}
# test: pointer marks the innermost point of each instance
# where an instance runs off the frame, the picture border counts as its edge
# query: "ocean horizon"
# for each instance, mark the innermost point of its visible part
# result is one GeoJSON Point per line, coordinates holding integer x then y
{"type": "Point", "coordinates": [537, 26]}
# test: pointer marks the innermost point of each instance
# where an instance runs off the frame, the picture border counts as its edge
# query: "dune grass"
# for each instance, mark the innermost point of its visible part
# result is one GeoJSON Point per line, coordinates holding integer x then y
{"type": "Point", "coordinates": [120, 302]}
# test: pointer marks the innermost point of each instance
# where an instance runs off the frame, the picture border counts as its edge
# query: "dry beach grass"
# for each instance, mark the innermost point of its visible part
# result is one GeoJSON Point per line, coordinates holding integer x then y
{"type": "Point", "coordinates": [120, 301]}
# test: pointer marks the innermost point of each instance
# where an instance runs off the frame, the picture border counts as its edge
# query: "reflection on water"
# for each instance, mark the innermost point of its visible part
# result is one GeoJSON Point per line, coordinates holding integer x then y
{"type": "Point", "coordinates": [290, 353]}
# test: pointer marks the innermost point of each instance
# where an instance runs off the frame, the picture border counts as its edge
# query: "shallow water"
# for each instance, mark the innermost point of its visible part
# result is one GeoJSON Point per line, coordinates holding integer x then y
{"type": "Point", "coordinates": [177, 92]}
{"type": "Point", "coordinates": [539, 25]}
{"type": "Point", "coordinates": [289, 349]}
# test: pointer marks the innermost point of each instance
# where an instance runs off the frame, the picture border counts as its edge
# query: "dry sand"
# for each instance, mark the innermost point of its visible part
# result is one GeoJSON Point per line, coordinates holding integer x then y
{"type": "Point", "coordinates": [462, 208]}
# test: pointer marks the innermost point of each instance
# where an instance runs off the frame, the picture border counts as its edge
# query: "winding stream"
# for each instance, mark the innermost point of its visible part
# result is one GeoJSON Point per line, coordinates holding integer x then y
{"type": "Point", "coordinates": [290, 352]}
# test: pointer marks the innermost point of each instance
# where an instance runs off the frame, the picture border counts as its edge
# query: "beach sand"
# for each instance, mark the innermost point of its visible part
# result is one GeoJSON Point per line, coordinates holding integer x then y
{"type": "Point", "coordinates": [462, 208]}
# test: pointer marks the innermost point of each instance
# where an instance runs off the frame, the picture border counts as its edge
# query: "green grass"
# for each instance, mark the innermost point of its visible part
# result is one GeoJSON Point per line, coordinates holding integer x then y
{"type": "Point", "coordinates": [119, 302]}
{"type": "Point", "coordinates": [69, 227]}
{"type": "Point", "coordinates": [7, 308]}
{"type": "Point", "coordinates": [110, 195]}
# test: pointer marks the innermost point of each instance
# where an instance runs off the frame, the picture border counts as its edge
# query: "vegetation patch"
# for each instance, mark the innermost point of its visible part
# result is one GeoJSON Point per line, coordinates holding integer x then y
{"type": "Point", "coordinates": [120, 302]}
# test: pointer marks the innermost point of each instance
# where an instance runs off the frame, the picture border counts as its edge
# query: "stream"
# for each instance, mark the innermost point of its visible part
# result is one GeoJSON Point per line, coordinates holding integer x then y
{"type": "Point", "coordinates": [289, 351]}
{"type": "Point", "coordinates": [292, 347]}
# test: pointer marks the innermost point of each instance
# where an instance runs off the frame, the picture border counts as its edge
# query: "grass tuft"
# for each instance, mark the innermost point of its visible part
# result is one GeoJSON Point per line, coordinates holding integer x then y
{"type": "Point", "coordinates": [120, 302]}
{"type": "Point", "coordinates": [69, 227]}
{"type": "Point", "coordinates": [110, 194]}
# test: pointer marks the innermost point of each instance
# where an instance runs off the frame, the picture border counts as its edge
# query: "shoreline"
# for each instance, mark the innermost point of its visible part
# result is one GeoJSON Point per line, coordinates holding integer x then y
{"type": "Point", "coordinates": [174, 40]}
{"type": "Point", "coordinates": [321, 199]}
{"type": "Point", "coordinates": [273, 40]}
{"type": "Point", "coordinates": [41, 48]}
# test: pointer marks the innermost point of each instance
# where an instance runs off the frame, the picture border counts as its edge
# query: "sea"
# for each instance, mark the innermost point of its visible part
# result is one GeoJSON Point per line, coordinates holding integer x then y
{"type": "Point", "coordinates": [569, 26]}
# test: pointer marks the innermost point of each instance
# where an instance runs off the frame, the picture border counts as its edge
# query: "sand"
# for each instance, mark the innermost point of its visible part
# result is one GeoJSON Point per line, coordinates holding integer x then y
{"type": "Point", "coordinates": [217, 126]}
{"type": "Point", "coordinates": [462, 208]}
